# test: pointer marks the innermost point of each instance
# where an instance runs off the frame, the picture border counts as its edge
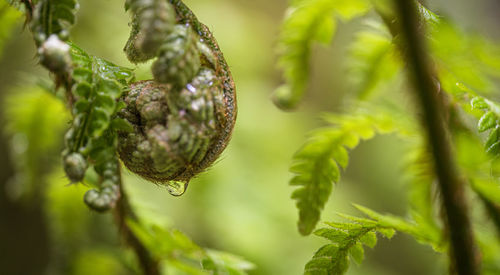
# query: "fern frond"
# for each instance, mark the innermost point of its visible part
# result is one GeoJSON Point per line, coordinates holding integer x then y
{"type": "Point", "coordinates": [490, 120]}
{"type": "Point", "coordinates": [221, 263]}
{"type": "Point", "coordinates": [316, 164]}
{"type": "Point", "coordinates": [349, 238]}
{"type": "Point", "coordinates": [308, 22]}
{"type": "Point", "coordinates": [347, 241]}
{"type": "Point", "coordinates": [176, 249]}
{"type": "Point", "coordinates": [373, 60]}
{"type": "Point", "coordinates": [419, 175]}
{"type": "Point", "coordinates": [97, 86]}
{"type": "Point", "coordinates": [419, 232]}
{"type": "Point", "coordinates": [464, 58]}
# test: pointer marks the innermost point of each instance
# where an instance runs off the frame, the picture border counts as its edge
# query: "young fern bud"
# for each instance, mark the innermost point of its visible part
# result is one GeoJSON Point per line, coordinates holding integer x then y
{"type": "Point", "coordinates": [75, 166]}
{"type": "Point", "coordinates": [109, 192]}
{"type": "Point", "coordinates": [175, 130]}
{"type": "Point", "coordinates": [179, 59]}
{"type": "Point", "coordinates": [166, 130]}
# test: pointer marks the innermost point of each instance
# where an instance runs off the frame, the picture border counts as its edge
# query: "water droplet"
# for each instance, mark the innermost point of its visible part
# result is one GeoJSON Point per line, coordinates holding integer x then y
{"type": "Point", "coordinates": [177, 188]}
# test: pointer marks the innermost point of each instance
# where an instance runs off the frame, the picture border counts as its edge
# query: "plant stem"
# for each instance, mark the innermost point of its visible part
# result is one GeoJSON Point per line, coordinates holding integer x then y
{"type": "Point", "coordinates": [462, 251]}
{"type": "Point", "coordinates": [124, 211]}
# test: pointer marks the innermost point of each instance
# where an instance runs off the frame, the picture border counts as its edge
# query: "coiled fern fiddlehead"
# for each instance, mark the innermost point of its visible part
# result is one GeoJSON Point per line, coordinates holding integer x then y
{"type": "Point", "coordinates": [166, 130]}
{"type": "Point", "coordinates": [183, 119]}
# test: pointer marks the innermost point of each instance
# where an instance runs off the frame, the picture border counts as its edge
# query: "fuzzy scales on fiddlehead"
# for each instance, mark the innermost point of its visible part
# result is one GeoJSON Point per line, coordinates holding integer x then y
{"type": "Point", "coordinates": [166, 130]}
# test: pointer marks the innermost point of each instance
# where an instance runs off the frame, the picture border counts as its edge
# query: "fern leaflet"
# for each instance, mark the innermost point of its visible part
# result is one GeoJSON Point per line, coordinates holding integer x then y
{"type": "Point", "coordinates": [315, 165]}
{"type": "Point", "coordinates": [373, 61]}
{"type": "Point", "coordinates": [308, 22]}
{"type": "Point", "coordinates": [349, 238]}
{"type": "Point", "coordinates": [347, 241]}
{"type": "Point", "coordinates": [176, 249]}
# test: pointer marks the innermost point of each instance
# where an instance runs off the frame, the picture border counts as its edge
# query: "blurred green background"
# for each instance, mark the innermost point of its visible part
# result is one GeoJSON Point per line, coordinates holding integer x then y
{"type": "Point", "coordinates": [242, 204]}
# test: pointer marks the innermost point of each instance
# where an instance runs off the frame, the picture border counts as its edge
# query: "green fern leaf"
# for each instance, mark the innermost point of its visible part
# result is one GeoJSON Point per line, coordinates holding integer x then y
{"type": "Point", "coordinates": [420, 176]}
{"type": "Point", "coordinates": [97, 86]}
{"type": "Point", "coordinates": [347, 241]}
{"type": "Point", "coordinates": [308, 22]}
{"type": "Point", "coordinates": [464, 58]}
{"type": "Point", "coordinates": [222, 263]}
{"type": "Point", "coordinates": [373, 61]}
{"type": "Point", "coordinates": [316, 164]}
{"type": "Point", "coordinates": [489, 120]}
{"type": "Point", "coordinates": [418, 231]}
{"type": "Point", "coordinates": [349, 238]}
{"type": "Point", "coordinates": [177, 250]}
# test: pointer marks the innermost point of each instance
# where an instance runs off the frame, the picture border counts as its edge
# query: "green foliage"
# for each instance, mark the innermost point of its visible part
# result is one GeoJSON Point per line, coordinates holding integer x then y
{"type": "Point", "coordinates": [308, 22]}
{"type": "Point", "coordinates": [418, 231]}
{"type": "Point", "coordinates": [95, 89]}
{"type": "Point", "coordinates": [102, 263]}
{"type": "Point", "coordinates": [178, 252]}
{"type": "Point", "coordinates": [488, 189]}
{"type": "Point", "coordinates": [35, 128]}
{"type": "Point", "coordinates": [8, 18]}
{"type": "Point", "coordinates": [419, 175]}
{"type": "Point", "coordinates": [219, 263]}
{"type": "Point", "coordinates": [316, 164]}
{"type": "Point", "coordinates": [98, 84]}
{"type": "Point", "coordinates": [460, 62]}
{"type": "Point", "coordinates": [464, 58]}
{"type": "Point", "coordinates": [349, 238]}
{"type": "Point", "coordinates": [489, 121]}
{"type": "Point", "coordinates": [53, 17]}
{"type": "Point", "coordinates": [373, 60]}
{"type": "Point", "coordinates": [468, 68]}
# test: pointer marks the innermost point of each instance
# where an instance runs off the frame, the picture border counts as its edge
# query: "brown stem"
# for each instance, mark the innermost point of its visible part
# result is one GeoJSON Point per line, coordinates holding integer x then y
{"type": "Point", "coordinates": [124, 211]}
{"type": "Point", "coordinates": [463, 253]}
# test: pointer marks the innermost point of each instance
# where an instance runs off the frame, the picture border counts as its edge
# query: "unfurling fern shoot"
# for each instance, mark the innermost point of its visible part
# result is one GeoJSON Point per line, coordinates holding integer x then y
{"type": "Point", "coordinates": [183, 119]}
{"type": "Point", "coordinates": [166, 130]}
